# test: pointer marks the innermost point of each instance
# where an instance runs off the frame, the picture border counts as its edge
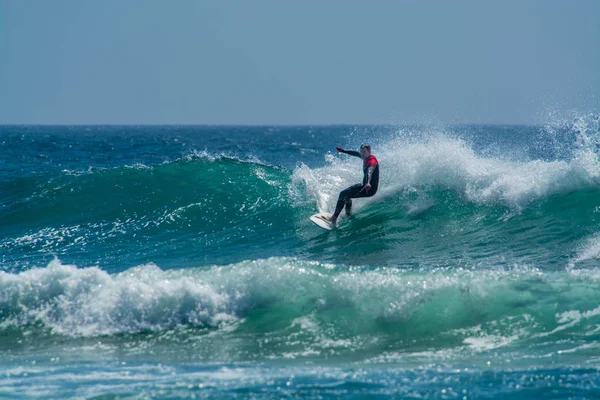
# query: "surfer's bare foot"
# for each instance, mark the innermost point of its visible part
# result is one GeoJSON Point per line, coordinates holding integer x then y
{"type": "Point", "coordinates": [331, 220]}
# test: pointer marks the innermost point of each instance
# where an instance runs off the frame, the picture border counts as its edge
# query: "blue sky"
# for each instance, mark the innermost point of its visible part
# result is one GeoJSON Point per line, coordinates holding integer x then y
{"type": "Point", "coordinates": [284, 62]}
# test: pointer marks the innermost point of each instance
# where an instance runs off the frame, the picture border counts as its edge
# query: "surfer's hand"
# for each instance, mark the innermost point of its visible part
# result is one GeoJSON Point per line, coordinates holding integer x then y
{"type": "Point", "coordinates": [339, 148]}
{"type": "Point", "coordinates": [367, 187]}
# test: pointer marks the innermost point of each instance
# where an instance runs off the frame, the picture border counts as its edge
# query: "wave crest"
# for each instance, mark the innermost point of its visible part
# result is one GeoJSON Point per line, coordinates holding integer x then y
{"type": "Point", "coordinates": [441, 162]}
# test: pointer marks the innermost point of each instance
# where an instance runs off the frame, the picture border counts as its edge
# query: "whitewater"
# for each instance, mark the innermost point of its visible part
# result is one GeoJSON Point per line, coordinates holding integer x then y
{"type": "Point", "coordinates": [173, 261]}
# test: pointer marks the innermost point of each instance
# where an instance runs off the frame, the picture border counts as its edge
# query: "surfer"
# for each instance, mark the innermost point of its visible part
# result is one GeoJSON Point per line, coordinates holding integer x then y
{"type": "Point", "coordinates": [369, 184]}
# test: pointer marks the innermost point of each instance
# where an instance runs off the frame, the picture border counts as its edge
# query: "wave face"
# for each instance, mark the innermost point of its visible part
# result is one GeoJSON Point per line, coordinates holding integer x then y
{"type": "Point", "coordinates": [440, 194]}
{"type": "Point", "coordinates": [196, 205]}
{"type": "Point", "coordinates": [447, 198]}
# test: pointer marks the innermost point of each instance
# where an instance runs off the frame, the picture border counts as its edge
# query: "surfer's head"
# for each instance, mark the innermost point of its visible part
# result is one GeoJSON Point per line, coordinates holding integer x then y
{"type": "Point", "coordinates": [365, 150]}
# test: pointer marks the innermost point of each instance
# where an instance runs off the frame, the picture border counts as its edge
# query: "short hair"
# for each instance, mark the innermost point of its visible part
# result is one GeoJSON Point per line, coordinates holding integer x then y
{"type": "Point", "coordinates": [365, 146]}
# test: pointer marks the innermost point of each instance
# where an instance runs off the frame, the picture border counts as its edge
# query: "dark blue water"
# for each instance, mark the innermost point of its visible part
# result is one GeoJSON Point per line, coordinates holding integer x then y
{"type": "Point", "coordinates": [179, 261]}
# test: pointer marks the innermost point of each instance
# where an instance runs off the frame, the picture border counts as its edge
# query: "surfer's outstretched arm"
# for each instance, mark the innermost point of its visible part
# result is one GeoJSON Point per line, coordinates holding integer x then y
{"type": "Point", "coordinates": [349, 152]}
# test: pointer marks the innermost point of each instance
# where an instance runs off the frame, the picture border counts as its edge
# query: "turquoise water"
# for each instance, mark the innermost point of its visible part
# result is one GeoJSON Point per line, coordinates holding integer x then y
{"type": "Point", "coordinates": [178, 261]}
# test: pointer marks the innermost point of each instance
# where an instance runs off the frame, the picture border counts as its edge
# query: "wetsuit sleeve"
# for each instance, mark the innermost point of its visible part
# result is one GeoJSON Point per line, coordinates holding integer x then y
{"type": "Point", "coordinates": [352, 153]}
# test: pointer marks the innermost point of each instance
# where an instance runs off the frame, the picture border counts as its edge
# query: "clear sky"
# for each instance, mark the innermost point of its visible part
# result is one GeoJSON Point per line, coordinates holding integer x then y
{"type": "Point", "coordinates": [291, 62]}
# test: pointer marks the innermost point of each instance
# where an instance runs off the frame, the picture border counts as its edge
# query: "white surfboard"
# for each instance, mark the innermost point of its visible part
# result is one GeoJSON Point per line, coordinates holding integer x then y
{"type": "Point", "coordinates": [319, 219]}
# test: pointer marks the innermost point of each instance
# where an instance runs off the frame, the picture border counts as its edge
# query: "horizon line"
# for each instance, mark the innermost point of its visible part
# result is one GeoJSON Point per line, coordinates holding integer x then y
{"type": "Point", "coordinates": [274, 125]}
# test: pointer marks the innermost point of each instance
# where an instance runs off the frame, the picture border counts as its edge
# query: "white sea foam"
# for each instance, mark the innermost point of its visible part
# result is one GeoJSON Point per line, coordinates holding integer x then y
{"type": "Point", "coordinates": [588, 250]}
{"type": "Point", "coordinates": [450, 163]}
{"type": "Point", "coordinates": [88, 301]}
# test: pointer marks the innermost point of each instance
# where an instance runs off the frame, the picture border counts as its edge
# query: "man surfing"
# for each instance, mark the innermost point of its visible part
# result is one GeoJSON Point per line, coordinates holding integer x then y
{"type": "Point", "coordinates": [369, 184]}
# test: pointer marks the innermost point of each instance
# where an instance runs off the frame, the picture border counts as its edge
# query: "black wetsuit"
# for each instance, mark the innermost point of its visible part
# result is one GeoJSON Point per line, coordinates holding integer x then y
{"type": "Point", "coordinates": [356, 191]}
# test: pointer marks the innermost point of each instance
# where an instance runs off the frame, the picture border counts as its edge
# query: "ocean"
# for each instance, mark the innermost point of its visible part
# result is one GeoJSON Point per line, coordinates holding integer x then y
{"type": "Point", "coordinates": [176, 262]}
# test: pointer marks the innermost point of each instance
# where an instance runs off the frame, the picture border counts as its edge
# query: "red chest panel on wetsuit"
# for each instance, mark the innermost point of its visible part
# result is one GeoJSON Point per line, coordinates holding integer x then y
{"type": "Point", "coordinates": [370, 161]}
